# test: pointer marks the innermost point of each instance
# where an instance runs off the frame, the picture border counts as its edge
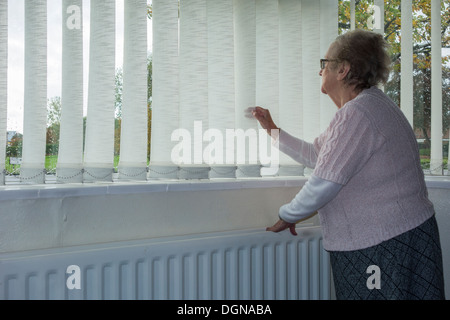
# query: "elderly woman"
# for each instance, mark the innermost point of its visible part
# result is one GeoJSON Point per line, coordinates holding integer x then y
{"type": "Point", "coordinates": [367, 185]}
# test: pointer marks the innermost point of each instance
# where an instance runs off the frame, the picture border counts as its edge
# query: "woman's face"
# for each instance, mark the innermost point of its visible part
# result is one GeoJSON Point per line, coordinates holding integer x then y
{"type": "Point", "coordinates": [329, 75]}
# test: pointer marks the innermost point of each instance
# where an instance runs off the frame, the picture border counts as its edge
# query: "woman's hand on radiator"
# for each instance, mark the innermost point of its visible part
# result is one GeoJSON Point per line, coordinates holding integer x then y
{"type": "Point", "coordinates": [283, 225]}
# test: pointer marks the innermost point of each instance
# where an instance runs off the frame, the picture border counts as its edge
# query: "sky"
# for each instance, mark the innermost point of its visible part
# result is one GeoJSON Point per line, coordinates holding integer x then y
{"type": "Point", "coordinates": [16, 53]}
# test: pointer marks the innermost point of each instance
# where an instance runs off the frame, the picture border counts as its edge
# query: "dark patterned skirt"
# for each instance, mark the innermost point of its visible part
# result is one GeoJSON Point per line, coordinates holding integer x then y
{"type": "Point", "coordinates": [407, 267]}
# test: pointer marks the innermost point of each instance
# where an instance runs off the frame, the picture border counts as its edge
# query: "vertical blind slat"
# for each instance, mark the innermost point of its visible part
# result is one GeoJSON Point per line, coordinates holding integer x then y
{"type": "Point", "coordinates": [267, 76]}
{"type": "Point", "coordinates": [436, 90]}
{"type": "Point", "coordinates": [35, 88]}
{"type": "Point", "coordinates": [221, 89]}
{"type": "Point", "coordinates": [165, 93]}
{"type": "Point", "coordinates": [133, 142]}
{"type": "Point", "coordinates": [328, 33]}
{"type": "Point", "coordinates": [99, 146]}
{"type": "Point", "coordinates": [245, 66]}
{"type": "Point", "coordinates": [310, 74]}
{"type": "Point", "coordinates": [3, 83]}
{"type": "Point", "coordinates": [70, 153]}
{"type": "Point", "coordinates": [291, 82]}
{"type": "Point", "coordinates": [193, 85]}
{"type": "Point", "coordinates": [406, 81]}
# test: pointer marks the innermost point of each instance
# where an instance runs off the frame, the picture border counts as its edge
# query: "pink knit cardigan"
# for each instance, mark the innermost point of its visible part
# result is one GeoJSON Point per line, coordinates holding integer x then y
{"type": "Point", "coordinates": [371, 149]}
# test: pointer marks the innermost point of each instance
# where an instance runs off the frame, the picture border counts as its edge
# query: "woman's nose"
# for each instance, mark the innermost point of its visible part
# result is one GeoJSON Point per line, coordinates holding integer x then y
{"type": "Point", "coordinates": [320, 72]}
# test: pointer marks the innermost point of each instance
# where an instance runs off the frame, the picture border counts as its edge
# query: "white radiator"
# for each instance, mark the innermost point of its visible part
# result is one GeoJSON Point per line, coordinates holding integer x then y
{"type": "Point", "coordinates": [238, 265]}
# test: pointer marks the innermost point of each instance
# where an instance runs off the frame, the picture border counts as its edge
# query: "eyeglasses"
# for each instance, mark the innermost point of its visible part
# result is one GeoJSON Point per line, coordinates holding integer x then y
{"type": "Point", "coordinates": [322, 62]}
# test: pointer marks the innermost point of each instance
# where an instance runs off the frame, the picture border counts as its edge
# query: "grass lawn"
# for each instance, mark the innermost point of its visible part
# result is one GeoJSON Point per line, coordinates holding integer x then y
{"type": "Point", "coordinates": [50, 164]}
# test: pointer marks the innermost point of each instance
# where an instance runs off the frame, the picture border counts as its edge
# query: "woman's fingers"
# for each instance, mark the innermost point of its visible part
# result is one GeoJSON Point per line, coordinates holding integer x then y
{"type": "Point", "coordinates": [249, 113]}
{"type": "Point", "coordinates": [260, 112]}
{"type": "Point", "coordinates": [264, 117]}
{"type": "Point", "coordinates": [282, 225]}
{"type": "Point", "coordinates": [255, 112]}
{"type": "Point", "coordinates": [292, 229]}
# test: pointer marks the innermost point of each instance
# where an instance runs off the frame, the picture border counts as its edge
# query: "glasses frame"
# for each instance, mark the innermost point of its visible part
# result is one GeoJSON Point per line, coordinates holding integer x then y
{"type": "Point", "coordinates": [323, 61]}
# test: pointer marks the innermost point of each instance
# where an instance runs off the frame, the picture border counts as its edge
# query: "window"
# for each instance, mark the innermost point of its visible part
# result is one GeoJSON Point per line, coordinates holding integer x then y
{"type": "Point", "coordinates": [209, 62]}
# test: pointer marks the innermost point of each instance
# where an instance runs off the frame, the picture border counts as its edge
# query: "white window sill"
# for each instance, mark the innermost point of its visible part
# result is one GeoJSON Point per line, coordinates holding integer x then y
{"type": "Point", "coordinates": [54, 190]}
{"type": "Point", "coordinates": [442, 182]}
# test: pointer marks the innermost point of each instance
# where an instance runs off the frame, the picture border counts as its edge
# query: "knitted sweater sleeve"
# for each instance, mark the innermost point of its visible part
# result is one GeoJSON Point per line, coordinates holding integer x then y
{"type": "Point", "coordinates": [299, 150]}
{"type": "Point", "coordinates": [347, 145]}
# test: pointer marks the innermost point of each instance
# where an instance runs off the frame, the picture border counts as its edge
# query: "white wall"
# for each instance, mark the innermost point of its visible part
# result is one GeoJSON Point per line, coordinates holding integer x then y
{"type": "Point", "coordinates": [439, 193]}
{"type": "Point", "coordinates": [55, 216]}
{"type": "Point", "coordinates": [59, 216]}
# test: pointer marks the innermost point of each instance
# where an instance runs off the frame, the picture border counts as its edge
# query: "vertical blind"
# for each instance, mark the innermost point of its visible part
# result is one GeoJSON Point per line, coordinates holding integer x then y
{"type": "Point", "coordinates": [233, 55]}
{"type": "Point", "coordinates": [35, 88]}
{"type": "Point", "coordinates": [133, 142]}
{"type": "Point", "coordinates": [99, 144]}
{"type": "Point", "coordinates": [436, 90]}
{"type": "Point", "coordinates": [3, 84]}
{"type": "Point", "coordinates": [70, 155]}
{"type": "Point", "coordinates": [212, 60]}
{"type": "Point", "coordinates": [165, 93]}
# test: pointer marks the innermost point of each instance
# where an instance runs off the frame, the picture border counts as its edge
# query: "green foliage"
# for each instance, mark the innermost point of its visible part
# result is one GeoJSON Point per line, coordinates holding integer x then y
{"type": "Point", "coordinates": [118, 91]}
{"type": "Point", "coordinates": [53, 111]}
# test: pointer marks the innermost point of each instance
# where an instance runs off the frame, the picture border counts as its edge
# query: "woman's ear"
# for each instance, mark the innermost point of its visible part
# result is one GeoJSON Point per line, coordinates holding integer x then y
{"type": "Point", "coordinates": [343, 70]}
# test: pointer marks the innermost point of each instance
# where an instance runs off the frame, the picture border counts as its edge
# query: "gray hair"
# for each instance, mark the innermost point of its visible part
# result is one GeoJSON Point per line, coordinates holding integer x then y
{"type": "Point", "coordinates": [366, 52]}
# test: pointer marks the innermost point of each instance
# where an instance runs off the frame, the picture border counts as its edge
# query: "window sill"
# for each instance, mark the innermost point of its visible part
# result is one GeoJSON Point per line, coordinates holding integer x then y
{"type": "Point", "coordinates": [54, 190]}
{"type": "Point", "coordinates": [438, 182]}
